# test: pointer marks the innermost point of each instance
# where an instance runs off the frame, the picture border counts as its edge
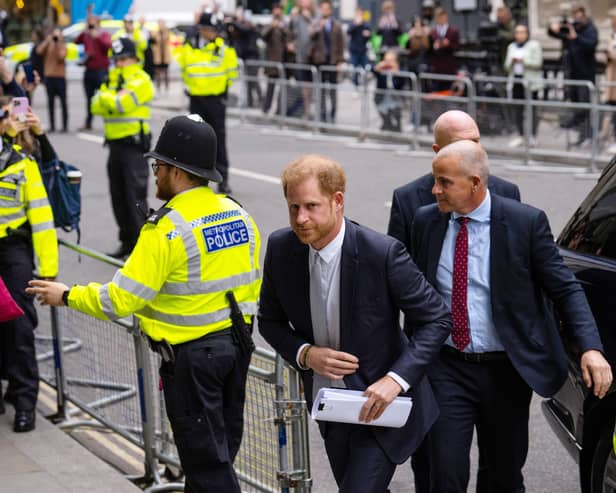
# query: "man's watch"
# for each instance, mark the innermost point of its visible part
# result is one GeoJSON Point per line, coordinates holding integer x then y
{"type": "Point", "coordinates": [65, 297]}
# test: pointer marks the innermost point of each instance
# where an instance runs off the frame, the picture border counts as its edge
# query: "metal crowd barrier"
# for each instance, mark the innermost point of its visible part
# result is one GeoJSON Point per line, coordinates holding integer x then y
{"type": "Point", "coordinates": [106, 376]}
{"type": "Point", "coordinates": [359, 116]}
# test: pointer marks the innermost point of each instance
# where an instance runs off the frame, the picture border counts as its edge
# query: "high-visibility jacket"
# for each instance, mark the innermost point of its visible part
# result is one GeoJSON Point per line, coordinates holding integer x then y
{"type": "Point", "coordinates": [208, 71]}
{"type": "Point", "coordinates": [124, 102]}
{"type": "Point", "coordinates": [188, 255]}
{"type": "Point", "coordinates": [23, 199]}
{"type": "Point", "coordinates": [137, 37]}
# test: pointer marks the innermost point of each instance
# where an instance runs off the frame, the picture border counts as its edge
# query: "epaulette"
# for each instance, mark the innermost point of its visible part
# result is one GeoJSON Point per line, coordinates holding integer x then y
{"type": "Point", "coordinates": [234, 200]}
{"type": "Point", "coordinates": [156, 216]}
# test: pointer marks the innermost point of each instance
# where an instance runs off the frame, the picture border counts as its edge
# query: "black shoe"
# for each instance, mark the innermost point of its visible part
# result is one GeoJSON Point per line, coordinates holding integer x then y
{"type": "Point", "coordinates": [224, 188]}
{"type": "Point", "coordinates": [121, 253]}
{"type": "Point", "coordinates": [24, 421]}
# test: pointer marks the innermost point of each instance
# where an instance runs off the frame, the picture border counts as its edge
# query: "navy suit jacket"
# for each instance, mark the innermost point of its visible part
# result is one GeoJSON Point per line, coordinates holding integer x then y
{"type": "Point", "coordinates": [377, 280]}
{"type": "Point", "coordinates": [524, 265]}
{"type": "Point", "coordinates": [410, 197]}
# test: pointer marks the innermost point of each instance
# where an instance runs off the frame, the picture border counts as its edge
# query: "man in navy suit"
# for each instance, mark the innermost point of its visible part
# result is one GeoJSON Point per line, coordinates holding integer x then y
{"type": "Point", "coordinates": [330, 301]}
{"type": "Point", "coordinates": [449, 127]}
{"type": "Point", "coordinates": [494, 261]}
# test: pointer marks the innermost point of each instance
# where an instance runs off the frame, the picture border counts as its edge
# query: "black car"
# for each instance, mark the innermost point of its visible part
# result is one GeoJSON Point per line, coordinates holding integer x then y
{"type": "Point", "coordinates": [585, 424]}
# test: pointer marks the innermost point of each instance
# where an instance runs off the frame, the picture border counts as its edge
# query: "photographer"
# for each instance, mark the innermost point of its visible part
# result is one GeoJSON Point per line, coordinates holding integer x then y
{"type": "Point", "coordinates": [97, 44]}
{"type": "Point", "coordinates": [579, 38]}
{"type": "Point", "coordinates": [53, 51]}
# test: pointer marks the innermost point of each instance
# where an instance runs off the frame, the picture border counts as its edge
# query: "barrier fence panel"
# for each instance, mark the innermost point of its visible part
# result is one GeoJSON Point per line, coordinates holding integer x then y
{"type": "Point", "coordinates": [111, 375]}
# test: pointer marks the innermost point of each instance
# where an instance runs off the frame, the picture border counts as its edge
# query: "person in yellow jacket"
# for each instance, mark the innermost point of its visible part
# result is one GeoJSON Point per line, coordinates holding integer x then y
{"type": "Point", "coordinates": [26, 230]}
{"type": "Point", "coordinates": [209, 67]}
{"type": "Point", "coordinates": [124, 103]}
{"type": "Point", "coordinates": [190, 255]}
{"type": "Point", "coordinates": [135, 34]}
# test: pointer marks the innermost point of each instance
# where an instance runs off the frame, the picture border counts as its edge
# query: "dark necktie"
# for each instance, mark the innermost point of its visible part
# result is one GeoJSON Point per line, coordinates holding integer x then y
{"type": "Point", "coordinates": [460, 336]}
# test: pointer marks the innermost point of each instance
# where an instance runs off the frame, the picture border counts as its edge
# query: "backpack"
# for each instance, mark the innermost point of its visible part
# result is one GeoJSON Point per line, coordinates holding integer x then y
{"type": "Point", "coordinates": [63, 184]}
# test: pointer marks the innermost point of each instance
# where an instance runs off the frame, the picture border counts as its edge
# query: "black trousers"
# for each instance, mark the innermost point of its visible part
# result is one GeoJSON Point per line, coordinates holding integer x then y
{"type": "Point", "coordinates": [92, 80]}
{"type": "Point", "coordinates": [357, 460]}
{"type": "Point", "coordinates": [17, 354]}
{"type": "Point", "coordinates": [272, 82]}
{"type": "Point", "coordinates": [56, 87]}
{"type": "Point", "coordinates": [581, 118]}
{"type": "Point", "coordinates": [492, 397]}
{"type": "Point", "coordinates": [213, 109]}
{"type": "Point", "coordinates": [329, 77]}
{"type": "Point", "coordinates": [128, 175]}
{"type": "Point", "coordinates": [252, 85]}
{"type": "Point", "coordinates": [205, 392]}
{"type": "Point", "coordinates": [518, 93]}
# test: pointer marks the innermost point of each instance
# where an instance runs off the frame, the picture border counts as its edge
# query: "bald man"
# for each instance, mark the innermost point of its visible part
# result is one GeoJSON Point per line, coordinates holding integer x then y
{"type": "Point", "coordinates": [494, 262]}
{"type": "Point", "coordinates": [449, 127]}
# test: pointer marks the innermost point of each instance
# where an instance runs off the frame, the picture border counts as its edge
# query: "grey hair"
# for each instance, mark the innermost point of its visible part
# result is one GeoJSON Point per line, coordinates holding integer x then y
{"type": "Point", "coordinates": [472, 157]}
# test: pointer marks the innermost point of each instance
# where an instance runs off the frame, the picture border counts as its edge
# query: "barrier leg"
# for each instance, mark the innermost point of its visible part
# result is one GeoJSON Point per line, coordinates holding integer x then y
{"type": "Point", "coordinates": [56, 334]}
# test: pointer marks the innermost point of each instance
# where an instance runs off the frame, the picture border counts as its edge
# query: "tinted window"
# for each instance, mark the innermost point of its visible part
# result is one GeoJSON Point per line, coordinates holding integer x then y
{"type": "Point", "coordinates": [593, 228]}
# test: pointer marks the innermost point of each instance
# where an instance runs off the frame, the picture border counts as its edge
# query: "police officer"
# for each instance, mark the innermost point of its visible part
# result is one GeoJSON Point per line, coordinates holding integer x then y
{"type": "Point", "coordinates": [123, 102]}
{"type": "Point", "coordinates": [26, 229]}
{"type": "Point", "coordinates": [191, 253]}
{"type": "Point", "coordinates": [209, 67]}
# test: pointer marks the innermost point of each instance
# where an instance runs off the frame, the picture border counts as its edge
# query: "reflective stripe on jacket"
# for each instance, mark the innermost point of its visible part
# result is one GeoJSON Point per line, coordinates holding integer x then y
{"type": "Point", "coordinates": [23, 199]}
{"type": "Point", "coordinates": [124, 102]}
{"type": "Point", "coordinates": [210, 70]}
{"type": "Point", "coordinates": [177, 276]}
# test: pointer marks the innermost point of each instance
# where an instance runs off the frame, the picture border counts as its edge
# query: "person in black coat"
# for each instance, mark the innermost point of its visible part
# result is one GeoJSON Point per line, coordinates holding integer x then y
{"type": "Point", "coordinates": [579, 39]}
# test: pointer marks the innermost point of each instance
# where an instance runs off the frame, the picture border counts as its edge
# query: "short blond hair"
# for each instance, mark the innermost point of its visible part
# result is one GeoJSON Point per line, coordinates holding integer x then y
{"type": "Point", "coordinates": [329, 173]}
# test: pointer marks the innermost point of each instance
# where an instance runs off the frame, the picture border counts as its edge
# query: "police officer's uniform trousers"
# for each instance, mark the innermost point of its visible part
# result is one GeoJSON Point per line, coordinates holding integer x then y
{"type": "Point", "coordinates": [26, 229]}
{"type": "Point", "coordinates": [213, 109]}
{"type": "Point", "coordinates": [188, 256]}
{"type": "Point", "coordinates": [128, 174]}
{"type": "Point", "coordinates": [204, 397]}
{"type": "Point", "coordinates": [17, 354]}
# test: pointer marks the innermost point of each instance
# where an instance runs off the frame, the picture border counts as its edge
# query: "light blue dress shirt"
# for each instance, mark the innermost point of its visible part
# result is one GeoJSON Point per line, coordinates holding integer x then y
{"type": "Point", "coordinates": [483, 335]}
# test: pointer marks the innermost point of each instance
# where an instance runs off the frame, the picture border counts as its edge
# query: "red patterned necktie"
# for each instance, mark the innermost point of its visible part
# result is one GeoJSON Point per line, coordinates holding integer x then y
{"type": "Point", "coordinates": [460, 336]}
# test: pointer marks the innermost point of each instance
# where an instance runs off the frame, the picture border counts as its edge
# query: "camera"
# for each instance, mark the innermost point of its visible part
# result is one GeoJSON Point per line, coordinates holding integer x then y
{"type": "Point", "coordinates": [91, 26]}
{"type": "Point", "coordinates": [55, 38]}
{"type": "Point", "coordinates": [487, 33]}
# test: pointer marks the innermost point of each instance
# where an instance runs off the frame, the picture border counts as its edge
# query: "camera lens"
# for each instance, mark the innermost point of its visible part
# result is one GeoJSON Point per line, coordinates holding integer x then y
{"type": "Point", "coordinates": [90, 26]}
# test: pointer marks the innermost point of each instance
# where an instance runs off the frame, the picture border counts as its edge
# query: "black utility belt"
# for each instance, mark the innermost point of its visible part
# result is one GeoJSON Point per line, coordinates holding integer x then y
{"type": "Point", "coordinates": [130, 140]}
{"type": "Point", "coordinates": [487, 357]}
{"type": "Point", "coordinates": [168, 351]}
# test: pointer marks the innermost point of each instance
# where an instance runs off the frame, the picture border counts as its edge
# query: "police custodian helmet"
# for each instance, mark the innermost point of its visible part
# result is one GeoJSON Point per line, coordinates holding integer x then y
{"type": "Point", "coordinates": [123, 47]}
{"type": "Point", "coordinates": [188, 143]}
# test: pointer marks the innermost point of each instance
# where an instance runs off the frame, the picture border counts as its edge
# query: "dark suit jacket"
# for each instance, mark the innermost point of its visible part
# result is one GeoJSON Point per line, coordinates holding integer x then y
{"type": "Point", "coordinates": [524, 264]}
{"type": "Point", "coordinates": [410, 197]}
{"type": "Point", "coordinates": [443, 59]}
{"type": "Point", "coordinates": [377, 280]}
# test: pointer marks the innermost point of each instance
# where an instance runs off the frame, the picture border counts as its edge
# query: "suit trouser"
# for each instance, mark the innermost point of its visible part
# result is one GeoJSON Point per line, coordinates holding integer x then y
{"type": "Point", "coordinates": [56, 86]}
{"type": "Point", "coordinates": [17, 354]}
{"type": "Point", "coordinates": [128, 183]}
{"type": "Point", "coordinates": [357, 460]}
{"type": "Point", "coordinates": [204, 395]}
{"type": "Point", "coordinates": [213, 109]}
{"type": "Point", "coordinates": [92, 80]}
{"type": "Point", "coordinates": [491, 396]}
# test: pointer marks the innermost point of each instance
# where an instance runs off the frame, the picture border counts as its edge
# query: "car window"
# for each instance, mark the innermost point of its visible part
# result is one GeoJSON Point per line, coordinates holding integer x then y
{"type": "Point", "coordinates": [593, 229]}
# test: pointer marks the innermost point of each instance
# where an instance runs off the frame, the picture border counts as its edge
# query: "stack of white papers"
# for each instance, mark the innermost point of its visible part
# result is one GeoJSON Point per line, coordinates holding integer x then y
{"type": "Point", "coordinates": [343, 406]}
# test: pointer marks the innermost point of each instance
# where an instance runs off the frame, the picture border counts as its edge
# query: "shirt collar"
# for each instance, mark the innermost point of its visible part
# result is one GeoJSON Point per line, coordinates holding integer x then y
{"type": "Point", "coordinates": [481, 213]}
{"type": "Point", "coordinates": [329, 251]}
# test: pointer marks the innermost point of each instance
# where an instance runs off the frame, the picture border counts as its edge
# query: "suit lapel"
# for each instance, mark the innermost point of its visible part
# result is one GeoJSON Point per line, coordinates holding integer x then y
{"type": "Point", "coordinates": [498, 245]}
{"type": "Point", "coordinates": [349, 264]}
{"type": "Point", "coordinates": [437, 229]}
{"type": "Point", "coordinates": [300, 273]}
